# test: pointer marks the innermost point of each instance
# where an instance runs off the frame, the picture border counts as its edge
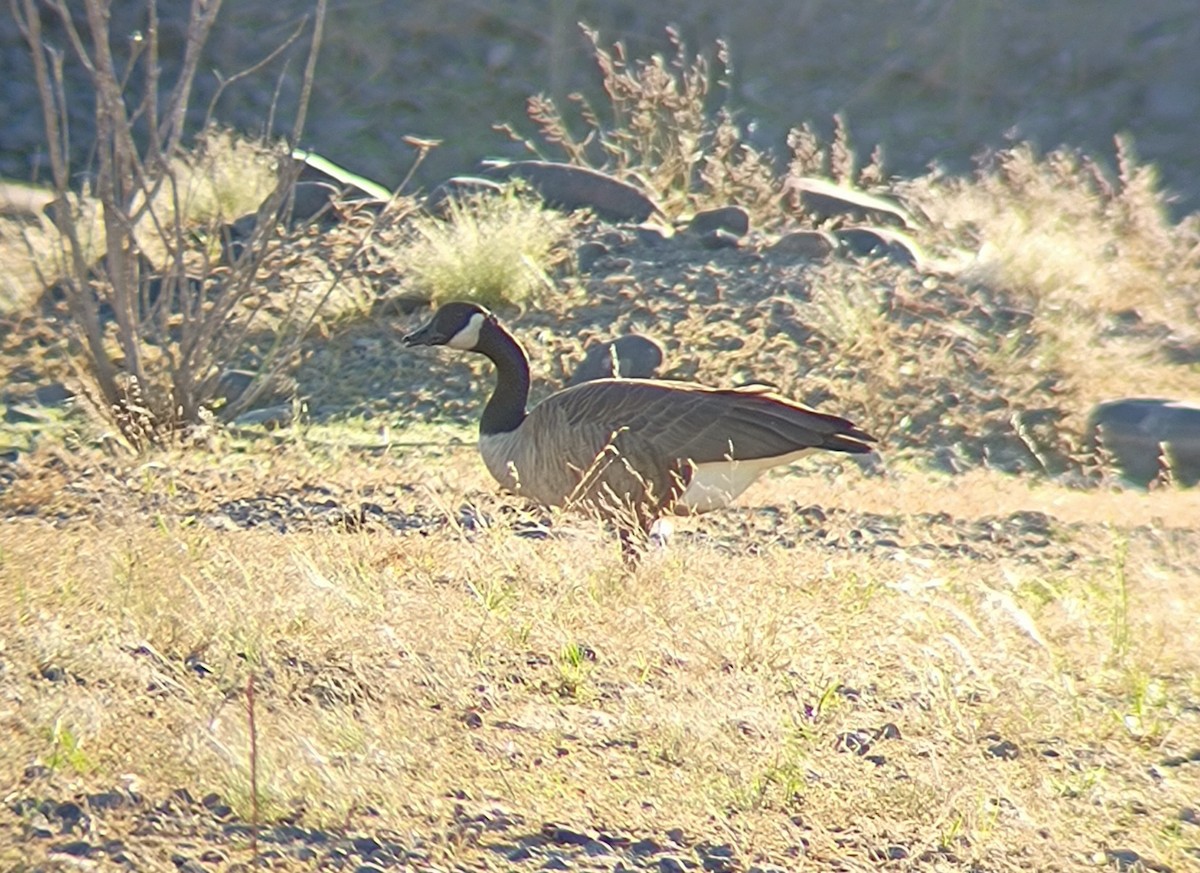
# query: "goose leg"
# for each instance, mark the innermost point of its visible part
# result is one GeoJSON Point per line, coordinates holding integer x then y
{"type": "Point", "coordinates": [650, 524]}
{"type": "Point", "coordinates": [661, 532]}
{"type": "Point", "coordinates": [632, 546]}
{"type": "Point", "coordinates": [635, 534]}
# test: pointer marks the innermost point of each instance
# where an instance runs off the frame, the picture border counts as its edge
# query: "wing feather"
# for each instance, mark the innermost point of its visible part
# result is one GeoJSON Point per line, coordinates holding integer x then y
{"type": "Point", "coordinates": [679, 421]}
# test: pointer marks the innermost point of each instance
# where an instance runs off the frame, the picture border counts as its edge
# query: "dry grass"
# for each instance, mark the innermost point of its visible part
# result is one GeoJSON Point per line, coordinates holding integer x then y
{"type": "Point", "coordinates": [710, 691]}
{"type": "Point", "coordinates": [1093, 255]}
{"type": "Point", "coordinates": [224, 177]}
{"type": "Point", "coordinates": [493, 249]}
{"type": "Point", "coordinates": [32, 255]}
{"type": "Point", "coordinates": [1059, 229]}
{"type": "Point", "coordinates": [664, 126]}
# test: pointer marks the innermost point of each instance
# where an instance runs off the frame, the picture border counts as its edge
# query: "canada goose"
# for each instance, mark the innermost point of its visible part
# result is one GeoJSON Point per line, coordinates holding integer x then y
{"type": "Point", "coordinates": [630, 449]}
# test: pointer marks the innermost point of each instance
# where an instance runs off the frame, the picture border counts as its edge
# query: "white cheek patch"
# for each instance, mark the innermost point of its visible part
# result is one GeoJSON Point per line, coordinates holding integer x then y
{"type": "Point", "coordinates": [468, 337]}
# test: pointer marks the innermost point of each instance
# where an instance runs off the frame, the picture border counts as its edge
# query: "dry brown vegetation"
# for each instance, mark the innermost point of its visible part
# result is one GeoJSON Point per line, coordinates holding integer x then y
{"type": "Point", "coordinates": [494, 249]}
{"type": "Point", "coordinates": [858, 669]}
{"type": "Point", "coordinates": [729, 688]}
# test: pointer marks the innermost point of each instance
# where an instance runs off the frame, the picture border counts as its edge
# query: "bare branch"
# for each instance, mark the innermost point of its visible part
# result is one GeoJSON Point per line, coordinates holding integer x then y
{"type": "Point", "coordinates": [203, 16]}
{"type": "Point", "coordinates": [79, 298]}
{"type": "Point", "coordinates": [223, 83]}
{"type": "Point", "coordinates": [310, 69]}
{"type": "Point", "coordinates": [173, 332]}
{"type": "Point", "coordinates": [152, 84]}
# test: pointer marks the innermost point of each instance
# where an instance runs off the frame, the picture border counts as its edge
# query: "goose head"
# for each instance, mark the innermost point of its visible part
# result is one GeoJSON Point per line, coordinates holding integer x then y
{"type": "Point", "coordinates": [458, 325]}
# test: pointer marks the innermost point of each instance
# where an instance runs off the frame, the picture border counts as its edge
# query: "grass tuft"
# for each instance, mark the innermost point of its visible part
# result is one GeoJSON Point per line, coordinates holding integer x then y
{"type": "Point", "coordinates": [1059, 229]}
{"type": "Point", "coordinates": [492, 249]}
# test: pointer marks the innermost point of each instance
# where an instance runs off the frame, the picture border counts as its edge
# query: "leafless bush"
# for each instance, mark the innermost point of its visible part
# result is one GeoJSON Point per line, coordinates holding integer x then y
{"type": "Point", "coordinates": [660, 128]}
{"type": "Point", "coordinates": [164, 299]}
{"type": "Point", "coordinates": [667, 127]}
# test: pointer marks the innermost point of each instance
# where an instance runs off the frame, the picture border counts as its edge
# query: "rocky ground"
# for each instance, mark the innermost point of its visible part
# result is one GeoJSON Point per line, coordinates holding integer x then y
{"type": "Point", "coordinates": [936, 82]}
{"type": "Point", "coordinates": [204, 834]}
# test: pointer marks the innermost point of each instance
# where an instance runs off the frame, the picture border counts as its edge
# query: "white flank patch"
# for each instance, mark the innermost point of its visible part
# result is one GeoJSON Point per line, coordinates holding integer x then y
{"type": "Point", "coordinates": [718, 483]}
{"type": "Point", "coordinates": [467, 338]}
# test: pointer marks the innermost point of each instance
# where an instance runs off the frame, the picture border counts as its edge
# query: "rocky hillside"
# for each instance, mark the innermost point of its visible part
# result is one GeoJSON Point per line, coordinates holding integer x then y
{"type": "Point", "coordinates": [939, 82]}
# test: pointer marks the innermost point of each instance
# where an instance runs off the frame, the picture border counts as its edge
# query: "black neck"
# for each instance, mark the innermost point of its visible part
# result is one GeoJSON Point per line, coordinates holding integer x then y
{"type": "Point", "coordinates": [506, 409]}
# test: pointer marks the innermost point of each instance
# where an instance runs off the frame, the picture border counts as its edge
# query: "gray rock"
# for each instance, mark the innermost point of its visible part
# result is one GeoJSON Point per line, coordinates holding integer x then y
{"type": "Point", "coordinates": [857, 742]}
{"type": "Point", "coordinates": [645, 846]}
{"type": "Point", "coordinates": [652, 235]}
{"type": "Point", "coordinates": [25, 415]}
{"type": "Point", "coordinates": [106, 800]}
{"type": "Point", "coordinates": [53, 394]}
{"type": "Point", "coordinates": [231, 384]}
{"type": "Point", "coordinates": [595, 848]}
{"type": "Point", "coordinates": [588, 253]}
{"type": "Point", "coordinates": [716, 859]}
{"type": "Point", "coordinates": [1134, 432]}
{"type": "Point", "coordinates": [811, 244]}
{"type": "Point", "coordinates": [69, 813]}
{"type": "Point", "coordinates": [1005, 750]}
{"type": "Point", "coordinates": [457, 188]}
{"type": "Point", "coordinates": [565, 836]}
{"type": "Point", "coordinates": [1124, 859]}
{"type": "Point", "coordinates": [270, 417]}
{"type": "Point", "coordinates": [719, 239]}
{"type": "Point", "coordinates": [671, 864]}
{"type": "Point", "coordinates": [888, 731]}
{"type": "Point", "coordinates": [75, 848]}
{"type": "Point", "coordinates": [615, 238]}
{"type": "Point", "coordinates": [880, 242]}
{"type": "Point", "coordinates": [569, 188]}
{"type": "Point", "coordinates": [635, 357]}
{"type": "Point", "coordinates": [235, 235]}
{"type": "Point", "coordinates": [732, 219]}
{"type": "Point", "coordinates": [822, 200]}
{"type": "Point", "coordinates": [521, 853]}
{"type": "Point", "coordinates": [40, 826]}
{"type": "Point", "coordinates": [313, 200]}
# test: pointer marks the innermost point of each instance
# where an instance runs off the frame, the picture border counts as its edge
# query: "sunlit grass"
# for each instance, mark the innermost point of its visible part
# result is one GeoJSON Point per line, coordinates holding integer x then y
{"type": "Point", "coordinates": [493, 249]}
{"type": "Point", "coordinates": [706, 685]}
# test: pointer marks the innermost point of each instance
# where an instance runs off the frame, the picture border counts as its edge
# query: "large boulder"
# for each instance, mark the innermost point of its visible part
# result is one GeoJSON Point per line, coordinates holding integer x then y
{"type": "Point", "coordinates": [632, 356]}
{"type": "Point", "coordinates": [1136, 432]}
